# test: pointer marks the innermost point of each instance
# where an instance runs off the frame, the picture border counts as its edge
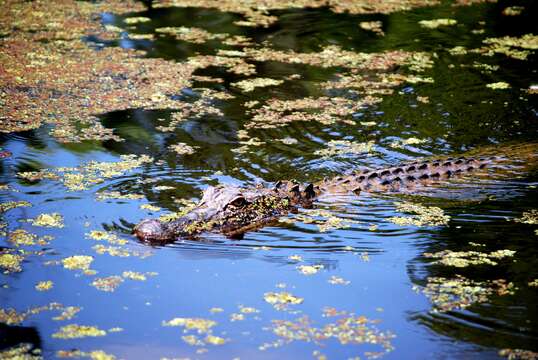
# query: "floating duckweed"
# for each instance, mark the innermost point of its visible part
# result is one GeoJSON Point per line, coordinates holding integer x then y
{"type": "Point", "coordinates": [297, 258]}
{"type": "Point", "coordinates": [21, 237]}
{"type": "Point", "coordinates": [460, 292]}
{"type": "Point", "coordinates": [467, 258]}
{"type": "Point", "coordinates": [108, 284]}
{"type": "Point", "coordinates": [400, 143]}
{"type": "Point", "coordinates": [193, 34]}
{"type": "Point", "coordinates": [336, 280]}
{"type": "Point", "coordinates": [349, 329]}
{"type": "Point", "coordinates": [199, 324]}
{"type": "Point", "coordinates": [49, 220]}
{"type": "Point", "coordinates": [309, 269]}
{"type": "Point", "coordinates": [248, 310]}
{"type": "Point", "coordinates": [44, 285]}
{"type": "Point", "coordinates": [425, 215]}
{"type": "Point", "coordinates": [22, 351]}
{"type": "Point", "coordinates": [215, 310]}
{"type": "Point", "coordinates": [280, 300]}
{"type": "Point", "coordinates": [214, 340]}
{"type": "Point", "coordinates": [501, 85]}
{"type": "Point", "coordinates": [513, 10]}
{"type": "Point", "coordinates": [94, 355]}
{"type": "Point", "coordinates": [150, 207]}
{"type": "Point", "coordinates": [510, 46]}
{"type": "Point", "coordinates": [458, 50]}
{"type": "Point", "coordinates": [136, 20]}
{"type": "Point", "coordinates": [11, 262]}
{"type": "Point", "coordinates": [236, 317]}
{"type": "Point", "coordinates": [183, 149]}
{"type": "Point", "coordinates": [12, 317]}
{"type": "Point", "coordinates": [74, 331]}
{"type": "Point", "coordinates": [192, 340]}
{"type": "Point", "coordinates": [518, 354]}
{"type": "Point", "coordinates": [133, 275]}
{"type": "Point", "coordinates": [78, 262]}
{"type": "Point", "coordinates": [5, 206]}
{"type": "Point", "coordinates": [341, 147]}
{"type": "Point", "coordinates": [250, 84]}
{"type": "Point", "coordinates": [106, 195]}
{"type": "Point", "coordinates": [108, 237]}
{"type": "Point", "coordinates": [68, 313]}
{"type": "Point", "coordinates": [119, 251]}
{"type": "Point", "coordinates": [83, 177]}
{"type": "Point", "coordinates": [434, 24]}
{"type": "Point", "coordinates": [529, 217]}
{"type": "Point", "coordinates": [373, 26]}
{"type": "Point", "coordinates": [289, 141]}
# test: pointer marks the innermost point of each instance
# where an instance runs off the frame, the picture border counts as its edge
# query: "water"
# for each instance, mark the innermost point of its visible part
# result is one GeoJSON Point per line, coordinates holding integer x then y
{"type": "Point", "coordinates": [381, 264]}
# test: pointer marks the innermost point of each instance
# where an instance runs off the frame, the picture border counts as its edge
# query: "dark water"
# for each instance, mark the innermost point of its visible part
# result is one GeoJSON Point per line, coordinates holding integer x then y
{"type": "Point", "coordinates": [195, 276]}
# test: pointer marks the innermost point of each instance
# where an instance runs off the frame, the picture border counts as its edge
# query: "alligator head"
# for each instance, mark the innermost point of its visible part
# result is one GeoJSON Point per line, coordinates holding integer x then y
{"type": "Point", "coordinates": [229, 210]}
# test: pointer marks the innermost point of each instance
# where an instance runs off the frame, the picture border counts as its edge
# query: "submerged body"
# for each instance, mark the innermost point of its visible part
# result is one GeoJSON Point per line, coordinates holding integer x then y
{"type": "Point", "coordinates": [233, 211]}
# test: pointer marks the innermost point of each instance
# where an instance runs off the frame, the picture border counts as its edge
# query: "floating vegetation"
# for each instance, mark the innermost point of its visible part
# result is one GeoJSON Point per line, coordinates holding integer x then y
{"type": "Point", "coordinates": [89, 174]}
{"type": "Point", "coordinates": [150, 207]}
{"type": "Point", "coordinates": [94, 355]}
{"type": "Point", "coordinates": [401, 143]}
{"type": "Point", "coordinates": [336, 280]}
{"type": "Point", "coordinates": [425, 215]}
{"type": "Point", "coordinates": [373, 26]}
{"type": "Point", "coordinates": [108, 284]}
{"type": "Point", "coordinates": [10, 263]}
{"type": "Point", "coordinates": [202, 326]}
{"type": "Point", "coordinates": [107, 195]}
{"type": "Point", "coordinates": [250, 84]}
{"type": "Point", "coordinates": [68, 313]}
{"type": "Point", "coordinates": [183, 149]}
{"type": "Point", "coordinates": [44, 285]}
{"type": "Point", "coordinates": [55, 77]}
{"type": "Point", "coordinates": [21, 237]}
{"type": "Point", "coordinates": [501, 85]}
{"type": "Point", "coordinates": [5, 206]}
{"type": "Point", "coordinates": [518, 354]}
{"type": "Point", "coordinates": [297, 258]}
{"type": "Point", "coordinates": [510, 46]}
{"type": "Point", "coordinates": [281, 300]}
{"type": "Point", "coordinates": [348, 329]}
{"type": "Point", "coordinates": [108, 237]}
{"type": "Point", "coordinates": [133, 275]}
{"type": "Point", "coordinates": [533, 283]}
{"type": "Point", "coordinates": [342, 147]}
{"type": "Point", "coordinates": [460, 292]}
{"type": "Point", "coordinates": [49, 220]}
{"type": "Point", "coordinates": [12, 317]}
{"type": "Point", "coordinates": [529, 217]}
{"type": "Point", "coordinates": [513, 10]}
{"type": "Point", "coordinates": [259, 16]}
{"type": "Point", "coordinates": [193, 35]}
{"type": "Point", "coordinates": [22, 351]}
{"type": "Point", "coordinates": [434, 24]}
{"type": "Point", "coordinates": [74, 331]}
{"type": "Point", "coordinates": [466, 258]}
{"type": "Point", "coordinates": [119, 251]}
{"type": "Point", "coordinates": [309, 269]}
{"type": "Point", "coordinates": [79, 262]}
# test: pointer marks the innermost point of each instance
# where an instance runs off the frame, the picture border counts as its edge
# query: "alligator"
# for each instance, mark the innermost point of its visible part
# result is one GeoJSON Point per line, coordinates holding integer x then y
{"type": "Point", "coordinates": [232, 210]}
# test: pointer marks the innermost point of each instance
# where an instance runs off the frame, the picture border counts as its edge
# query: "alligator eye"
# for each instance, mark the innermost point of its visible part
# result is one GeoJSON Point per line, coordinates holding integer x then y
{"type": "Point", "coordinates": [239, 201]}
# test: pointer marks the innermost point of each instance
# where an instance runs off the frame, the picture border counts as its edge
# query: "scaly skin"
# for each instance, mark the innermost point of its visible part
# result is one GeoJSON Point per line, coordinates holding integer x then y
{"type": "Point", "coordinates": [233, 211]}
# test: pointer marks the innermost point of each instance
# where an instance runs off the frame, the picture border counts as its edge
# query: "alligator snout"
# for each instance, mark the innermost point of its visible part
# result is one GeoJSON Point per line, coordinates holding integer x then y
{"type": "Point", "coordinates": [151, 230]}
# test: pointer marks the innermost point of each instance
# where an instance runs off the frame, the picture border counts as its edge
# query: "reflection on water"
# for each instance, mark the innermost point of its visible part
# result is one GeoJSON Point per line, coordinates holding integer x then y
{"type": "Point", "coordinates": [344, 255]}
